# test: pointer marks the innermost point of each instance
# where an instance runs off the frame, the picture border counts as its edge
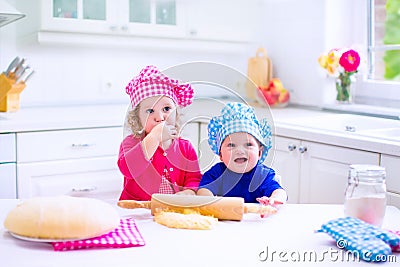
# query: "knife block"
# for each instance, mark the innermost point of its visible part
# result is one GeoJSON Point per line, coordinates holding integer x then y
{"type": "Point", "coordinates": [9, 94]}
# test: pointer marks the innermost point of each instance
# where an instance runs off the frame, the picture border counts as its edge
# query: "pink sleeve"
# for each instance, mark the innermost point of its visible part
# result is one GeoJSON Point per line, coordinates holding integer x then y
{"type": "Point", "coordinates": [192, 173]}
{"type": "Point", "coordinates": [131, 160]}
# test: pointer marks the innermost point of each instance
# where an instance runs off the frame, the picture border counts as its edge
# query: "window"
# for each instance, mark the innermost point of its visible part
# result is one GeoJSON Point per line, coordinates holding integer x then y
{"type": "Point", "coordinates": [384, 40]}
{"type": "Point", "coordinates": [382, 84]}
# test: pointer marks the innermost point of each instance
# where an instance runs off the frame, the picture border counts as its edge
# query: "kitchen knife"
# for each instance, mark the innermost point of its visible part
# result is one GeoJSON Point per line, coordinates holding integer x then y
{"type": "Point", "coordinates": [18, 68]}
{"type": "Point", "coordinates": [25, 76]}
{"type": "Point", "coordinates": [12, 65]}
{"type": "Point", "coordinates": [18, 73]}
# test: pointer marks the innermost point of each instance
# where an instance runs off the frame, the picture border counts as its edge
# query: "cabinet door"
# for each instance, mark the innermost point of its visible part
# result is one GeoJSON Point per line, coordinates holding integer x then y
{"type": "Point", "coordinates": [7, 148]}
{"type": "Point", "coordinates": [8, 184]}
{"type": "Point", "coordinates": [207, 157]}
{"type": "Point", "coordinates": [223, 20]}
{"type": "Point", "coordinates": [92, 177]}
{"type": "Point", "coordinates": [190, 131]}
{"type": "Point", "coordinates": [391, 164]}
{"type": "Point", "coordinates": [86, 16]}
{"type": "Point", "coordinates": [161, 18]}
{"type": "Point", "coordinates": [284, 159]}
{"type": "Point", "coordinates": [393, 199]}
{"type": "Point", "coordinates": [324, 171]}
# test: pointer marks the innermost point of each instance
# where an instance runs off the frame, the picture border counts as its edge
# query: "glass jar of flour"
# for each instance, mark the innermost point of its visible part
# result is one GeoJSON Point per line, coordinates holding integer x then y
{"type": "Point", "coordinates": [366, 193]}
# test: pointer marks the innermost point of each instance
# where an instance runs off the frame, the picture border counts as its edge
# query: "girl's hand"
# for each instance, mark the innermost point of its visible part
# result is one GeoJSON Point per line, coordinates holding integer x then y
{"type": "Point", "coordinates": [164, 132]}
{"type": "Point", "coordinates": [160, 135]}
{"type": "Point", "coordinates": [186, 192]}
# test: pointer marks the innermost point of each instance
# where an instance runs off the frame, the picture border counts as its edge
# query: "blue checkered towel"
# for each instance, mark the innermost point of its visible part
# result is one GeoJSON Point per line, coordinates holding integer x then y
{"type": "Point", "coordinates": [369, 242]}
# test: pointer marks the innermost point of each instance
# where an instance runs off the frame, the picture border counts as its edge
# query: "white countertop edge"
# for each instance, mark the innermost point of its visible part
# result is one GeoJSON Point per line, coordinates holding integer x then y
{"type": "Point", "coordinates": [343, 139]}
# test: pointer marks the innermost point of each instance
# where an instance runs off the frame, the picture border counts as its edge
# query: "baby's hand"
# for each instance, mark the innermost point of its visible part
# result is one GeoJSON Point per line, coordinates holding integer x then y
{"type": "Point", "coordinates": [268, 205]}
{"type": "Point", "coordinates": [269, 201]}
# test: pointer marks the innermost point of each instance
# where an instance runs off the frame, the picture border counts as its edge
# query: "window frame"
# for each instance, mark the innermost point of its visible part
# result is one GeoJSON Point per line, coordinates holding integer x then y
{"type": "Point", "coordinates": [371, 91]}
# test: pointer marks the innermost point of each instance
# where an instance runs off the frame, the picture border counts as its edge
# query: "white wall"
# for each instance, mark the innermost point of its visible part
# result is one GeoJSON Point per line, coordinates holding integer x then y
{"type": "Point", "coordinates": [294, 32]}
{"type": "Point", "coordinates": [297, 32]}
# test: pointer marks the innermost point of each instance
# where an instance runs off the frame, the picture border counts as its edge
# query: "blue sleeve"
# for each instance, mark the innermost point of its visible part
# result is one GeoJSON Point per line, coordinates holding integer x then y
{"type": "Point", "coordinates": [210, 179]}
{"type": "Point", "coordinates": [268, 183]}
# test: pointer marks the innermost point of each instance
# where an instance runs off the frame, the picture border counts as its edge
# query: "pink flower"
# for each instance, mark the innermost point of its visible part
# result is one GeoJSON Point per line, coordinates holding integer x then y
{"type": "Point", "coordinates": [350, 60]}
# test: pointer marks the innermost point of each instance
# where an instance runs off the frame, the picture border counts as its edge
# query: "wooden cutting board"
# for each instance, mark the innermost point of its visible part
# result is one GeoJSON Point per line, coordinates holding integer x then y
{"type": "Point", "coordinates": [259, 72]}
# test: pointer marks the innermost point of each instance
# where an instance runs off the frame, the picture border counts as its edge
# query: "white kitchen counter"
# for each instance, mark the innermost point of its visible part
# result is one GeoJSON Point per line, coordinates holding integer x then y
{"type": "Point", "coordinates": [286, 122]}
{"type": "Point", "coordinates": [230, 243]}
{"type": "Point", "coordinates": [60, 118]}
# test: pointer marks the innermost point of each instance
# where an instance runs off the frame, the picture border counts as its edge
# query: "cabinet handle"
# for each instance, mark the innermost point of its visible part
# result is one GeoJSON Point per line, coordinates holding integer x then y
{"type": "Point", "coordinates": [302, 149]}
{"type": "Point", "coordinates": [291, 147]}
{"type": "Point", "coordinates": [81, 145]}
{"type": "Point", "coordinates": [124, 28]}
{"type": "Point", "coordinates": [84, 189]}
{"type": "Point", "coordinates": [113, 28]}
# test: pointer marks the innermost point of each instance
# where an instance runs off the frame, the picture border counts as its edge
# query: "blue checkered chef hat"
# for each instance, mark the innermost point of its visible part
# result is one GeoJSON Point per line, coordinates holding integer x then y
{"type": "Point", "coordinates": [238, 117]}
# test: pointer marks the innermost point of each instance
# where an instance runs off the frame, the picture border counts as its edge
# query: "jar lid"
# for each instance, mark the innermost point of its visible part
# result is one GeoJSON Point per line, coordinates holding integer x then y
{"type": "Point", "coordinates": [367, 170]}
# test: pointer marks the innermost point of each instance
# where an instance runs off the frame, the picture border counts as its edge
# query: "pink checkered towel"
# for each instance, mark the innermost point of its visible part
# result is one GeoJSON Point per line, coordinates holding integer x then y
{"type": "Point", "coordinates": [125, 235]}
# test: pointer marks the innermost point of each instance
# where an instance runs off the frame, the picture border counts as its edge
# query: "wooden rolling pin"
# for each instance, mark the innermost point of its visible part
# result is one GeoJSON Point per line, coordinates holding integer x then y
{"type": "Point", "coordinates": [223, 208]}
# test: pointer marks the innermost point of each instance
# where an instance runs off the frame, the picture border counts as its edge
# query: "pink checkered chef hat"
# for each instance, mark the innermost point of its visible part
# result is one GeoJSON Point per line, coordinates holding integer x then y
{"type": "Point", "coordinates": [151, 82]}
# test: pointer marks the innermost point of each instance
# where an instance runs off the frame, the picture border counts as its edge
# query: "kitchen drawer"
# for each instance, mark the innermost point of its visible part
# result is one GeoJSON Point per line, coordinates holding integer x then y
{"type": "Point", "coordinates": [8, 181]}
{"type": "Point", "coordinates": [7, 145]}
{"type": "Point", "coordinates": [95, 177]}
{"type": "Point", "coordinates": [68, 144]}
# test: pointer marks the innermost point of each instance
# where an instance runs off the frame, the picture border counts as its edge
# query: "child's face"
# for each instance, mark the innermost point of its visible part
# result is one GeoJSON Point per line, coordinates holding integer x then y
{"type": "Point", "coordinates": [240, 152]}
{"type": "Point", "coordinates": [156, 109]}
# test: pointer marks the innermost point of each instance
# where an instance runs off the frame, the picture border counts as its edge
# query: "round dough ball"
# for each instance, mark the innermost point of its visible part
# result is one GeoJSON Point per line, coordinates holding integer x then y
{"type": "Point", "coordinates": [62, 217]}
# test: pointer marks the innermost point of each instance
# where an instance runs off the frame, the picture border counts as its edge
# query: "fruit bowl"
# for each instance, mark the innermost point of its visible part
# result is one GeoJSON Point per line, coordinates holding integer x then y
{"type": "Point", "coordinates": [274, 95]}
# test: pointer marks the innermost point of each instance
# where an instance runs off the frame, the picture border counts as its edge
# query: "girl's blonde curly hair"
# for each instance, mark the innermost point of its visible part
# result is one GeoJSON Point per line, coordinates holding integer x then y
{"type": "Point", "coordinates": [136, 126]}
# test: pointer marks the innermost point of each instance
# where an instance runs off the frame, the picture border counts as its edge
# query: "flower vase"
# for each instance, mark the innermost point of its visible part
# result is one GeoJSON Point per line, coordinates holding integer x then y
{"type": "Point", "coordinates": [344, 89]}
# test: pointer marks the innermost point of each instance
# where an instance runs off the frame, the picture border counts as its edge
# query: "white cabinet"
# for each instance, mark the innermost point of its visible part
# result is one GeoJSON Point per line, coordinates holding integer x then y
{"type": "Point", "coordinates": [285, 161]}
{"type": "Point", "coordinates": [106, 17]}
{"type": "Point", "coordinates": [8, 187]}
{"type": "Point", "coordinates": [391, 164]}
{"type": "Point", "coordinates": [314, 172]}
{"type": "Point", "coordinates": [7, 151]}
{"type": "Point", "coordinates": [88, 177]}
{"type": "Point", "coordinates": [81, 162]}
{"type": "Point", "coordinates": [223, 20]}
{"type": "Point", "coordinates": [324, 171]}
{"type": "Point", "coordinates": [68, 144]}
{"type": "Point", "coordinates": [190, 131]}
{"type": "Point", "coordinates": [207, 157]}
{"type": "Point", "coordinates": [196, 132]}
{"type": "Point", "coordinates": [222, 25]}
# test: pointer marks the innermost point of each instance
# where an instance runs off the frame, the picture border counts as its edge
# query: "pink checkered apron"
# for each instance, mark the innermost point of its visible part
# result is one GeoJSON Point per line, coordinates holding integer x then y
{"type": "Point", "coordinates": [166, 187]}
